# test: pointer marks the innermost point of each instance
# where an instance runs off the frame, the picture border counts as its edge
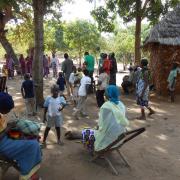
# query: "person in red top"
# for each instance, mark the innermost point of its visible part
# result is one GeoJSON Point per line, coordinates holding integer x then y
{"type": "Point", "coordinates": [106, 64]}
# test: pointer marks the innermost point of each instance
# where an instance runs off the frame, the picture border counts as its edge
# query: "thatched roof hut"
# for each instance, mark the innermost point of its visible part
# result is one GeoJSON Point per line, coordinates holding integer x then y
{"type": "Point", "coordinates": [163, 43]}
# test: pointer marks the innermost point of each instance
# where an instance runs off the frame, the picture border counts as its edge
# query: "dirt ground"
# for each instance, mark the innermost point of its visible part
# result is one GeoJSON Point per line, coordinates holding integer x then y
{"type": "Point", "coordinates": [154, 155]}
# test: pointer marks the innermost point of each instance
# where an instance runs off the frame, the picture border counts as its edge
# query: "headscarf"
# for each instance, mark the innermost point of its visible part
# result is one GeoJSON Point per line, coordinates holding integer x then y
{"type": "Point", "coordinates": [113, 93]}
{"type": "Point", "coordinates": [6, 101]}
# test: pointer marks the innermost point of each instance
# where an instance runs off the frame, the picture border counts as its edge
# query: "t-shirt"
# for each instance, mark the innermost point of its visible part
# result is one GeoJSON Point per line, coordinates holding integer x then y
{"type": "Point", "coordinates": [82, 89]}
{"type": "Point", "coordinates": [28, 87]}
{"type": "Point", "coordinates": [172, 75]}
{"type": "Point", "coordinates": [89, 60]}
{"type": "Point", "coordinates": [61, 82]}
{"type": "Point", "coordinates": [54, 61]}
{"type": "Point", "coordinates": [72, 78]}
{"type": "Point", "coordinates": [67, 67]}
{"type": "Point", "coordinates": [107, 65]}
{"type": "Point", "coordinates": [53, 105]}
{"type": "Point", "coordinates": [103, 78]}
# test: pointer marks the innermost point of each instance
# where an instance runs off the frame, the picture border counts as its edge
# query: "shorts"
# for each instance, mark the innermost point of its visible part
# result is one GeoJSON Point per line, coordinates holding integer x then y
{"type": "Point", "coordinates": [55, 121]}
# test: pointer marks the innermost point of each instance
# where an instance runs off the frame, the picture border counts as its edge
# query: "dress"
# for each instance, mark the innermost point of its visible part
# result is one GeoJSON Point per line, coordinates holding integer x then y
{"type": "Point", "coordinates": [112, 123]}
{"type": "Point", "coordinates": [144, 100]}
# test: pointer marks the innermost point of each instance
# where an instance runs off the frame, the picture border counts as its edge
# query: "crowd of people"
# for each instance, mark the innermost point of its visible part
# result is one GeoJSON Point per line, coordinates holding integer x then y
{"type": "Point", "coordinates": [26, 64]}
{"type": "Point", "coordinates": [79, 82]}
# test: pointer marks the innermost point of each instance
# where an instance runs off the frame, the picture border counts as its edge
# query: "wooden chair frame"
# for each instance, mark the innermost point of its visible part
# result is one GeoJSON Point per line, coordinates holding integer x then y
{"type": "Point", "coordinates": [5, 164]}
{"type": "Point", "coordinates": [115, 146]}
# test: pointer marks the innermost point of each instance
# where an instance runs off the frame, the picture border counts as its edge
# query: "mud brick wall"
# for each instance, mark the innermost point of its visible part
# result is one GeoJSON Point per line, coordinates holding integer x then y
{"type": "Point", "coordinates": [161, 58]}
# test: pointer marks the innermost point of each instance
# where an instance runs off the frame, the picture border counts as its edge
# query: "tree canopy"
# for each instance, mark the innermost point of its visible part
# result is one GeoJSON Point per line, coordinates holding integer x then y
{"type": "Point", "coordinates": [130, 10]}
{"type": "Point", "coordinates": [81, 36]}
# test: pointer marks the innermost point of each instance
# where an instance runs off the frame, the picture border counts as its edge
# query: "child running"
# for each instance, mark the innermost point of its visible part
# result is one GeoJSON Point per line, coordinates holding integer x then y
{"type": "Point", "coordinates": [82, 93]}
{"type": "Point", "coordinates": [27, 91]}
{"type": "Point", "coordinates": [53, 106]}
{"type": "Point", "coordinates": [172, 81]}
{"type": "Point", "coordinates": [61, 83]}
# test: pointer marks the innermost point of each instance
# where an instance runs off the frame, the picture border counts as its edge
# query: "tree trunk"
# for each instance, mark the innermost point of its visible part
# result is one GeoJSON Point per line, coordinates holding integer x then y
{"type": "Point", "coordinates": [38, 7]}
{"type": "Point", "coordinates": [6, 15]}
{"type": "Point", "coordinates": [138, 33]}
{"type": "Point", "coordinates": [8, 48]}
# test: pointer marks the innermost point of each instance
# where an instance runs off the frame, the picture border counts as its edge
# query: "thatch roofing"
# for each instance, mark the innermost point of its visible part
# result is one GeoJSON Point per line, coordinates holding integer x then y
{"type": "Point", "coordinates": [167, 31]}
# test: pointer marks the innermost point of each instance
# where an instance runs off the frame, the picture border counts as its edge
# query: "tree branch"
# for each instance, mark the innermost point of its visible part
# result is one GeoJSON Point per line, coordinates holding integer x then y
{"type": "Point", "coordinates": [144, 7]}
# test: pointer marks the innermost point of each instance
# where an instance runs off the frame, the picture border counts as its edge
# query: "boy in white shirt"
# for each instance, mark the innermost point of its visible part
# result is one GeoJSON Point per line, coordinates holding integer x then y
{"type": "Point", "coordinates": [53, 106]}
{"type": "Point", "coordinates": [82, 93]}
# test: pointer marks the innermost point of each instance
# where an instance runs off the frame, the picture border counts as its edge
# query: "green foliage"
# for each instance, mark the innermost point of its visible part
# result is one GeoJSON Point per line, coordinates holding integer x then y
{"type": "Point", "coordinates": [123, 42]}
{"type": "Point", "coordinates": [54, 36]}
{"type": "Point", "coordinates": [129, 10]}
{"type": "Point", "coordinates": [104, 20]}
{"type": "Point", "coordinates": [5, 3]}
{"type": "Point", "coordinates": [81, 36]}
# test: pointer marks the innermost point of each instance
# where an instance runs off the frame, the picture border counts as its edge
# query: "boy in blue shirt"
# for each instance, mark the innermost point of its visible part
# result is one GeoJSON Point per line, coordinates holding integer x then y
{"type": "Point", "coordinates": [61, 83]}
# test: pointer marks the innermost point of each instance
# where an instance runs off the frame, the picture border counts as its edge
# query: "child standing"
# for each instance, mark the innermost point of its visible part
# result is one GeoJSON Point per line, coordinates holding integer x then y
{"type": "Point", "coordinates": [54, 65]}
{"type": "Point", "coordinates": [103, 81]}
{"type": "Point", "coordinates": [27, 91]}
{"type": "Point", "coordinates": [72, 78]}
{"type": "Point", "coordinates": [82, 93]}
{"type": "Point", "coordinates": [61, 83]}
{"type": "Point", "coordinates": [53, 106]}
{"type": "Point", "coordinates": [172, 81]}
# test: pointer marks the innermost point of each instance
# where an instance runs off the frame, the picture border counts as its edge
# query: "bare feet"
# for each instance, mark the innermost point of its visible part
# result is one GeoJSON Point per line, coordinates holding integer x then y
{"type": "Point", "coordinates": [151, 112]}
{"type": "Point", "coordinates": [60, 143]}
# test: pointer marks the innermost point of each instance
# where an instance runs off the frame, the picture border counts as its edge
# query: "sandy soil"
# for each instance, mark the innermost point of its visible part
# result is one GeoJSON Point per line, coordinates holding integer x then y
{"type": "Point", "coordinates": [154, 155]}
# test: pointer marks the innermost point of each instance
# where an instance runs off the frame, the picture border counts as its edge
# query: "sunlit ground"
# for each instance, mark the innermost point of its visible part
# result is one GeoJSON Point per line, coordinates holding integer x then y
{"type": "Point", "coordinates": [154, 155]}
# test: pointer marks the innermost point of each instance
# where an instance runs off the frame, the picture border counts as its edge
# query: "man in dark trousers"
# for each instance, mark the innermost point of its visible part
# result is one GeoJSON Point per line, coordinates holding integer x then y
{"type": "Point", "coordinates": [113, 69]}
{"type": "Point", "coordinates": [67, 67]}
